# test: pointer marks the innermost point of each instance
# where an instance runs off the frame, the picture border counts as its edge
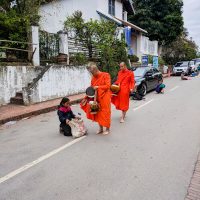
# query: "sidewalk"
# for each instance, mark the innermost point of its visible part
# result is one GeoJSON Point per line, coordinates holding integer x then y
{"type": "Point", "coordinates": [13, 112]}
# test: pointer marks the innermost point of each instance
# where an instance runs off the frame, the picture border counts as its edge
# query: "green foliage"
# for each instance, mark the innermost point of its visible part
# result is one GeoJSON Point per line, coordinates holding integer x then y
{"type": "Point", "coordinates": [182, 49]}
{"type": "Point", "coordinates": [161, 18]}
{"type": "Point", "coordinates": [12, 26]}
{"type": "Point", "coordinates": [78, 59]}
{"type": "Point", "coordinates": [99, 39]}
{"type": "Point", "coordinates": [133, 58]}
{"type": "Point", "coordinates": [160, 60]}
{"type": "Point", "coordinates": [15, 20]}
{"type": "Point", "coordinates": [150, 59]}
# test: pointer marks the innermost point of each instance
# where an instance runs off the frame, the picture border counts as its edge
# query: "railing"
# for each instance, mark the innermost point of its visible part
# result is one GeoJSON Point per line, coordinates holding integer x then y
{"type": "Point", "coordinates": [51, 48]}
{"type": "Point", "coordinates": [80, 47]}
{"type": "Point", "coordinates": [13, 53]}
{"type": "Point", "coordinates": [149, 47]}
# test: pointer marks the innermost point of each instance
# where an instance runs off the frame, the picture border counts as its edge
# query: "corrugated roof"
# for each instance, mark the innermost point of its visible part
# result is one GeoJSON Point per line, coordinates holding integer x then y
{"type": "Point", "coordinates": [126, 23]}
{"type": "Point", "coordinates": [109, 17]}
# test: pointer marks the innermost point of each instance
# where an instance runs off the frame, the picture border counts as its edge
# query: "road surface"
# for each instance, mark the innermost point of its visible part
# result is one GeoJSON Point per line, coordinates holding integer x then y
{"type": "Point", "coordinates": [149, 157]}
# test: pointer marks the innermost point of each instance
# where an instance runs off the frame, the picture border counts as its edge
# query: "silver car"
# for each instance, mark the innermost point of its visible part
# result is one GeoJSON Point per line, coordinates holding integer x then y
{"type": "Point", "coordinates": [180, 67]}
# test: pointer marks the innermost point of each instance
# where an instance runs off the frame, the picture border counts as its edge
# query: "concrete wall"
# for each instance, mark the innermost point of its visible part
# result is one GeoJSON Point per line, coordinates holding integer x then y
{"type": "Point", "coordinates": [57, 82]}
{"type": "Point", "coordinates": [55, 13]}
{"type": "Point", "coordinates": [13, 79]}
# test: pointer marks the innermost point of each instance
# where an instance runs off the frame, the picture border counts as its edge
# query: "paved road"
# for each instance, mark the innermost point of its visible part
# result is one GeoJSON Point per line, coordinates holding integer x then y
{"type": "Point", "coordinates": [150, 157]}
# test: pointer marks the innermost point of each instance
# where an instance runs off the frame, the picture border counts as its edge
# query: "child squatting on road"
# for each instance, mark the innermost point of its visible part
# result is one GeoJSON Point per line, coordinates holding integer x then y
{"type": "Point", "coordinates": [70, 124]}
{"type": "Point", "coordinates": [160, 87]}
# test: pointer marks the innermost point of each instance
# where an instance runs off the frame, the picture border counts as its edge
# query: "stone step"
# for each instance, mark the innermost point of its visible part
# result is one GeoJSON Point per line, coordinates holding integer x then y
{"type": "Point", "coordinates": [17, 100]}
{"type": "Point", "coordinates": [19, 94]}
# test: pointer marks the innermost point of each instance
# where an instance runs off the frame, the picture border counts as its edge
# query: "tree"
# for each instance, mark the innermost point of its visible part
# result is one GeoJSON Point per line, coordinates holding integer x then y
{"type": "Point", "coordinates": [109, 51]}
{"type": "Point", "coordinates": [182, 49]}
{"type": "Point", "coordinates": [17, 17]}
{"type": "Point", "coordinates": [161, 18]}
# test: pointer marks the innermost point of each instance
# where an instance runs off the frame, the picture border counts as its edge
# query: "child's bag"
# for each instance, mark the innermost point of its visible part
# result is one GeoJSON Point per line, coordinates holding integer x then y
{"type": "Point", "coordinates": [77, 127]}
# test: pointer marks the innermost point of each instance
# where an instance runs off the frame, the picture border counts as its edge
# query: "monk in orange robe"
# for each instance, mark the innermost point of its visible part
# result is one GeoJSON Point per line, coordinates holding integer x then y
{"type": "Point", "coordinates": [101, 82]}
{"type": "Point", "coordinates": [126, 82]}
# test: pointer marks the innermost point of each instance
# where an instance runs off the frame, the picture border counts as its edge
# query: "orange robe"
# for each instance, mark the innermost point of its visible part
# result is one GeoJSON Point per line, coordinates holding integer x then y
{"type": "Point", "coordinates": [126, 81]}
{"type": "Point", "coordinates": [103, 117]}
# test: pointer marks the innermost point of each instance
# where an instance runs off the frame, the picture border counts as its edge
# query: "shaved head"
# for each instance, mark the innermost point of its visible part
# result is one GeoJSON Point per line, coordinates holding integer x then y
{"type": "Point", "coordinates": [122, 66]}
{"type": "Point", "coordinates": [92, 68]}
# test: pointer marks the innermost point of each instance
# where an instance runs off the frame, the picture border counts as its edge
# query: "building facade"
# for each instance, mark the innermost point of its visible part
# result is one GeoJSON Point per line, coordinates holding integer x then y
{"type": "Point", "coordinates": [54, 14]}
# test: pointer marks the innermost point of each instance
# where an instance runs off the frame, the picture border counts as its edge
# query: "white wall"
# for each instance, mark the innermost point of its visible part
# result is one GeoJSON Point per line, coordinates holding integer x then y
{"type": "Point", "coordinates": [13, 79]}
{"type": "Point", "coordinates": [118, 9]}
{"type": "Point", "coordinates": [146, 47]}
{"type": "Point", "coordinates": [149, 47]}
{"type": "Point", "coordinates": [139, 44]}
{"type": "Point", "coordinates": [103, 6]}
{"type": "Point", "coordinates": [57, 82]}
{"type": "Point", "coordinates": [134, 44]}
{"type": "Point", "coordinates": [54, 14]}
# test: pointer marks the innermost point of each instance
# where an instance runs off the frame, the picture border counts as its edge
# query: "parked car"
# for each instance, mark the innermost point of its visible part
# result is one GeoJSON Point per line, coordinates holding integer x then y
{"type": "Point", "coordinates": [198, 68]}
{"type": "Point", "coordinates": [180, 67]}
{"type": "Point", "coordinates": [146, 79]}
{"type": "Point", "coordinates": [193, 66]}
{"type": "Point", "coordinates": [197, 63]}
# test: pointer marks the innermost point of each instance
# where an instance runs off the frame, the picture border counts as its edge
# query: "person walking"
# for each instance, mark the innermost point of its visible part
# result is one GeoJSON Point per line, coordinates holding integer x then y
{"type": "Point", "coordinates": [126, 82]}
{"type": "Point", "coordinates": [101, 83]}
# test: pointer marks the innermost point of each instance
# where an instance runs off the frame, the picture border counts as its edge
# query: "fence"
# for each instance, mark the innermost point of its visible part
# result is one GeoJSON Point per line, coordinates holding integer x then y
{"type": "Point", "coordinates": [49, 46]}
{"type": "Point", "coordinates": [52, 44]}
{"type": "Point", "coordinates": [81, 47]}
{"type": "Point", "coordinates": [15, 51]}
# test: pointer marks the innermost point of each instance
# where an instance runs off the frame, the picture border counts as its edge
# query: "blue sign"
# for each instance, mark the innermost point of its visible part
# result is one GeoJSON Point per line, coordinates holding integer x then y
{"type": "Point", "coordinates": [128, 40]}
{"type": "Point", "coordinates": [155, 61]}
{"type": "Point", "coordinates": [145, 60]}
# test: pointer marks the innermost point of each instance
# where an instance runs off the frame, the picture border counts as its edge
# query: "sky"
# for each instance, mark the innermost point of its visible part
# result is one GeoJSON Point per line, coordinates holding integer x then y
{"type": "Point", "coordinates": [191, 14]}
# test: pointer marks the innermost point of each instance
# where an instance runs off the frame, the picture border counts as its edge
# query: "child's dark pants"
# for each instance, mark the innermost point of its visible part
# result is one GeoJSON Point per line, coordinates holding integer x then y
{"type": "Point", "coordinates": [67, 131]}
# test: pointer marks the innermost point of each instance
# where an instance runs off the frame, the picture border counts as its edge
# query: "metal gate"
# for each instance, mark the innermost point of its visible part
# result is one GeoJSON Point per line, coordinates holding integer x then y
{"type": "Point", "coordinates": [49, 46]}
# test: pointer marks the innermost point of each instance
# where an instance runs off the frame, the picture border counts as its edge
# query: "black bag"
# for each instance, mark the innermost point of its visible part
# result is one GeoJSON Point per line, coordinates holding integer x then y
{"type": "Point", "coordinates": [136, 96]}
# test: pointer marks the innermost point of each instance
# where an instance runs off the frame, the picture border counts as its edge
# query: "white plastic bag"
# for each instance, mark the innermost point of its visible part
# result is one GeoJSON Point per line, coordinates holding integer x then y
{"type": "Point", "coordinates": [78, 128]}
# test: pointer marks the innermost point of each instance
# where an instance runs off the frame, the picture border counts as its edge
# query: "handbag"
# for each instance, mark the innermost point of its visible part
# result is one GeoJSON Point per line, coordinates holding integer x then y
{"type": "Point", "coordinates": [77, 127]}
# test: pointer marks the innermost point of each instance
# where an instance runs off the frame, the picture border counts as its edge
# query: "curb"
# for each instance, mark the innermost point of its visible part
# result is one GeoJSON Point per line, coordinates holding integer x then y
{"type": "Point", "coordinates": [35, 113]}
{"type": "Point", "coordinates": [166, 75]}
{"type": "Point", "coordinates": [193, 192]}
{"type": "Point", "coordinates": [42, 111]}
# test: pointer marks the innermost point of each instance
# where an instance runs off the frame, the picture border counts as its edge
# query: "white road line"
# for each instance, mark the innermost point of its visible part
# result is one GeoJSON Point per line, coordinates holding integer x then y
{"type": "Point", "coordinates": [174, 88]}
{"type": "Point", "coordinates": [35, 162]}
{"type": "Point", "coordinates": [148, 102]}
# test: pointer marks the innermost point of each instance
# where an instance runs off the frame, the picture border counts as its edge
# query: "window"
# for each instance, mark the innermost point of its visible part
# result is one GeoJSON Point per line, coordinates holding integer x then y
{"type": "Point", "coordinates": [111, 7]}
